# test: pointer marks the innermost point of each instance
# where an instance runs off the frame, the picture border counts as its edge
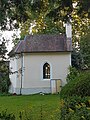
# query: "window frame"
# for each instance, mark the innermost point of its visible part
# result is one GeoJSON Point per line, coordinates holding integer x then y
{"type": "Point", "coordinates": [46, 71]}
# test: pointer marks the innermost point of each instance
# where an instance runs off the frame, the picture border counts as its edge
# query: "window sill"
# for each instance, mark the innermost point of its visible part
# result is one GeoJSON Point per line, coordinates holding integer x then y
{"type": "Point", "coordinates": [46, 79]}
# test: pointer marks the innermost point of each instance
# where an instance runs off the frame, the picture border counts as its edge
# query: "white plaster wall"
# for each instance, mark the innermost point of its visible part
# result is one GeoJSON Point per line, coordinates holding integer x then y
{"type": "Point", "coordinates": [15, 65]}
{"type": "Point", "coordinates": [18, 77]}
{"type": "Point", "coordinates": [33, 74]}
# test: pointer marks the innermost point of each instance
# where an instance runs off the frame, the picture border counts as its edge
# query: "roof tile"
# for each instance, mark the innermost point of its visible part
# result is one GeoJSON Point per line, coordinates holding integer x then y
{"type": "Point", "coordinates": [43, 43]}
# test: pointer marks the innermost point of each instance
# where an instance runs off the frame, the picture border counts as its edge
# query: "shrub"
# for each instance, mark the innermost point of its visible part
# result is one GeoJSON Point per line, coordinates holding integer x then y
{"type": "Point", "coordinates": [79, 86]}
{"type": "Point", "coordinates": [6, 116]}
{"type": "Point", "coordinates": [75, 108]}
{"type": "Point", "coordinates": [73, 73]}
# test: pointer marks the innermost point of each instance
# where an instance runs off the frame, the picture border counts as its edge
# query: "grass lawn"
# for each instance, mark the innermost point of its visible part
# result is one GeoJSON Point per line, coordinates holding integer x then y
{"type": "Point", "coordinates": [35, 107]}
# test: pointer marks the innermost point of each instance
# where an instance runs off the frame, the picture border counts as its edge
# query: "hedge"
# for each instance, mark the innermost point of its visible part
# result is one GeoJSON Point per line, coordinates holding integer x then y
{"type": "Point", "coordinates": [79, 86]}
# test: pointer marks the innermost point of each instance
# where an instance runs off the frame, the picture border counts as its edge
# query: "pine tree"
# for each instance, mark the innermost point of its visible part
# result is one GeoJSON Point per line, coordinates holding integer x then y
{"type": "Point", "coordinates": [4, 68]}
{"type": "Point", "coordinates": [3, 50]}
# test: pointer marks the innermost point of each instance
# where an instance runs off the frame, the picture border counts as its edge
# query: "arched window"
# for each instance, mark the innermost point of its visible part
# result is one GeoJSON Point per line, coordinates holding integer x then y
{"type": "Point", "coordinates": [46, 71]}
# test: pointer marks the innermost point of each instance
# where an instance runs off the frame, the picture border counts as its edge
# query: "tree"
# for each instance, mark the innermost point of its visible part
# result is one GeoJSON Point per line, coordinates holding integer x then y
{"type": "Point", "coordinates": [85, 50]}
{"type": "Point", "coordinates": [81, 54]}
{"type": "Point", "coordinates": [49, 16]}
{"type": "Point", "coordinates": [44, 13]}
{"type": "Point", "coordinates": [4, 68]}
{"type": "Point", "coordinates": [4, 76]}
{"type": "Point", "coordinates": [3, 50]}
{"type": "Point", "coordinates": [76, 59]}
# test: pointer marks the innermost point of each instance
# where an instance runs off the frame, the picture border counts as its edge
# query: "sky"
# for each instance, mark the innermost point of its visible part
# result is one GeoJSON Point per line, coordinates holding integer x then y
{"type": "Point", "coordinates": [8, 37]}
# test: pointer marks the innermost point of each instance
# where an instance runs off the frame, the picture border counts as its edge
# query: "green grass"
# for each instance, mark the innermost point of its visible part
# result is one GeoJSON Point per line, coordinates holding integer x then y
{"type": "Point", "coordinates": [34, 106]}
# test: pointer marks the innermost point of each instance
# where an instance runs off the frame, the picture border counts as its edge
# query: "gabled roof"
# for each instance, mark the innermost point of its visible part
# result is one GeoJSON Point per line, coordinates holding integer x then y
{"type": "Point", "coordinates": [41, 43]}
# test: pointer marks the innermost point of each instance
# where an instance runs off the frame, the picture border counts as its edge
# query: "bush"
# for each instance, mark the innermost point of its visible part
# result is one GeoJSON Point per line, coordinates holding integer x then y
{"type": "Point", "coordinates": [75, 108]}
{"type": "Point", "coordinates": [79, 86]}
{"type": "Point", "coordinates": [73, 73]}
{"type": "Point", "coordinates": [6, 116]}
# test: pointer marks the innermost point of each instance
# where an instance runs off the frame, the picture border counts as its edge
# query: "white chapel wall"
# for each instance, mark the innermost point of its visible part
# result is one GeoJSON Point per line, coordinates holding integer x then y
{"type": "Point", "coordinates": [15, 65]}
{"type": "Point", "coordinates": [33, 75]}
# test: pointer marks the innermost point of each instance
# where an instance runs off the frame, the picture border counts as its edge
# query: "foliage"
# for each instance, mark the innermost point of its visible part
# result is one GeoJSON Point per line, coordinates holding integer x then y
{"type": "Point", "coordinates": [75, 108]}
{"type": "Point", "coordinates": [76, 59]}
{"type": "Point", "coordinates": [50, 16]}
{"type": "Point", "coordinates": [21, 10]}
{"type": "Point", "coordinates": [4, 68]}
{"type": "Point", "coordinates": [4, 76]}
{"type": "Point", "coordinates": [79, 86]}
{"type": "Point", "coordinates": [81, 54]}
{"type": "Point", "coordinates": [85, 50]}
{"type": "Point", "coordinates": [73, 73]}
{"type": "Point", "coordinates": [5, 13]}
{"type": "Point", "coordinates": [3, 50]}
{"type": "Point", "coordinates": [39, 20]}
{"type": "Point", "coordinates": [47, 16]}
{"type": "Point", "coordinates": [6, 116]}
